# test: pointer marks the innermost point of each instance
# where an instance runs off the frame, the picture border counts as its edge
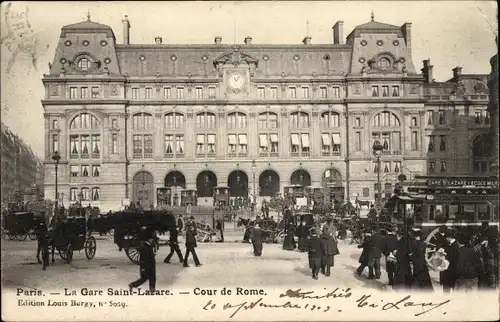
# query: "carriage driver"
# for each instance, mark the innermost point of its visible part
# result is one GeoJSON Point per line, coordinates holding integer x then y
{"type": "Point", "coordinates": [147, 251]}
{"type": "Point", "coordinates": [43, 245]}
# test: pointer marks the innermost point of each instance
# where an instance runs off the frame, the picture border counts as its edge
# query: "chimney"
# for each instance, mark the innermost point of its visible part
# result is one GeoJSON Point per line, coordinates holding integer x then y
{"type": "Point", "coordinates": [307, 40]}
{"type": "Point", "coordinates": [406, 28]}
{"type": "Point", "coordinates": [248, 40]}
{"type": "Point", "coordinates": [457, 71]}
{"type": "Point", "coordinates": [218, 40]}
{"type": "Point", "coordinates": [126, 30]}
{"type": "Point", "coordinates": [158, 40]}
{"type": "Point", "coordinates": [427, 71]}
{"type": "Point", "coordinates": [338, 33]}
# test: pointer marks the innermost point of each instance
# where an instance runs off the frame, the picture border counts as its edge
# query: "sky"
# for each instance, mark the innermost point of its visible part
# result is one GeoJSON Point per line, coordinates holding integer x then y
{"type": "Point", "coordinates": [450, 33]}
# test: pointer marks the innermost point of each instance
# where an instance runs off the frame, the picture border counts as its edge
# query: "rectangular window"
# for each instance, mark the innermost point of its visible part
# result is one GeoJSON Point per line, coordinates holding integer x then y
{"type": "Point", "coordinates": [74, 171]}
{"type": "Point", "coordinates": [211, 92]}
{"type": "Point", "coordinates": [114, 143]}
{"type": "Point", "coordinates": [414, 140]}
{"type": "Point", "coordinates": [55, 143]}
{"type": "Point", "coordinates": [305, 142]}
{"type": "Point", "coordinates": [74, 144]}
{"type": "Point", "coordinates": [180, 92]}
{"type": "Point", "coordinates": [273, 138]}
{"type": "Point", "coordinates": [293, 92]}
{"type": "Point", "coordinates": [396, 142]}
{"type": "Point", "coordinates": [85, 194]}
{"type": "Point", "coordinates": [336, 92]}
{"type": "Point", "coordinates": [357, 141]}
{"type": "Point", "coordinates": [148, 146]}
{"type": "Point", "coordinates": [73, 92]}
{"type": "Point", "coordinates": [96, 170]}
{"type": "Point", "coordinates": [95, 92]}
{"type": "Point", "coordinates": [261, 91]}
{"type": "Point", "coordinates": [443, 166]}
{"type": "Point", "coordinates": [232, 145]}
{"type": "Point", "coordinates": [477, 117]}
{"type": "Point", "coordinates": [374, 91]}
{"type": "Point", "coordinates": [200, 144]}
{"type": "Point", "coordinates": [114, 123]}
{"type": "Point", "coordinates": [73, 193]}
{"type": "Point", "coordinates": [263, 143]}
{"type": "Point", "coordinates": [305, 92]}
{"type": "Point", "coordinates": [414, 121]}
{"type": "Point", "coordinates": [442, 143]}
{"type": "Point", "coordinates": [199, 92]}
{"type": "Point", "coordinates": [96, 144]}
{"type": "Point", "coordinates": [336, 143]}
{"type": "Point", "coordinates": [397, 166]}
{"type": "Point", "coordinates": [211, 144]}
{"type": "Point", "coordinates": [274, 92]}
{"type": "Point", "coordinates": [167, 93]}
{"type": "Point", "coordinates": [385, 91]}
{"type": "Point", "coordinates": [295, 140]}
{"type": "Point", "coordinates": [149, 93]}
{"type": "Point", "coordinates": [357, 122]}
{"type": "Point", "coordinates": [432, 166]}
{"type": "Point", "coordinates": [395, 91]}
{"type": "Point", "coordinates": [55, 124]}
{"type": "Point", "coordinates": [430, 117]}
{"type": "Point", "coordinates": [366, 192]}
{"type": "Point", "coordinates": [179, 145]}
{"type": "Point", "coordinates": [442, 117]}
{"type": "Point", "coordinates": [323, 92]}
{"type": "Point", "coordinates": [432, 143]}
{"type": "Point", "coordinates": [84, 92]}
{"type": "Point", "coordinates": [326, 143]}
{"type": "Point", "coordinates": [96, 195]}
{"type": "Point", "coordinates": [211, 121]}
{"type": "Point", "coordinates": [242, 144]}
{"type": "Point", "coordinates": [386, 141]}
{"type": "Point", "coordinates": [169, 144]}
{"type": "Point", "coordinates": [85, 171]}
{"type": "Point", "coordinates": [135, 93]}
{"type": "Point", "coordinates": [387, 167]}
{"type": "Point", "coordinates": [137, 146]}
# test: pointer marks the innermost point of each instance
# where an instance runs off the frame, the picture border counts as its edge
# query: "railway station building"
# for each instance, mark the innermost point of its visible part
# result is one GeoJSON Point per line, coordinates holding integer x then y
{"type": "Point", "coordinates": [128, 119]}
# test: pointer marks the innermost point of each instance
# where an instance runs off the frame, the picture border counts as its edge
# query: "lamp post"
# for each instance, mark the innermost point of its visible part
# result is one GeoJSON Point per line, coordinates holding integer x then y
{"type": "Point", "coordinates": [254, 167]}
{"type": "Point", "coordinates": [56, 157]}
{"type": "Point", "coordinates": [377, 152]}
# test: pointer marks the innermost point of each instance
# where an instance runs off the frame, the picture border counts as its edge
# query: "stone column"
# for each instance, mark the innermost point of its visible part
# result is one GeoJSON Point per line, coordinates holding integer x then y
{"type": "Point", "coordinates": [221, 138]}
{"type": "Point", "coordinates": [284, 135]}
{"type": "Point", "coordinates": [253, 136]}
{"type": "Point", "coordinates": [158, 151]}
{"type": "Point", "coordinates": [190, 140]}
{"type": "Point", "coordinates": [315, 134]}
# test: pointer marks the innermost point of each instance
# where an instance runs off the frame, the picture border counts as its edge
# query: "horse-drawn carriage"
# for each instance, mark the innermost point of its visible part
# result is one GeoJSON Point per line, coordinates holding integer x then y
{"type": "Point", "coordinates": [272, 232]}
{"type": "Point", "coordinates": [127, 227]}
{"type": "Point", "coordinates": [20, 225]}
{"type": "Point", "coordinates": [204, 233]}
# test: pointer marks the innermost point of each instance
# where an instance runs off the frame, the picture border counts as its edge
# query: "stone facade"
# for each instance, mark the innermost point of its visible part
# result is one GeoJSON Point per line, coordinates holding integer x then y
{"type": "Point", "coordinates": [125, 116]}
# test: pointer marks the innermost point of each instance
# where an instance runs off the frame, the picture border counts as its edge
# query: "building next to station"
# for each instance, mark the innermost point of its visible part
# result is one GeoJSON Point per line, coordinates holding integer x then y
{"type": "Point", "coordinates": [128, 119]}
{"type": "Point", "coordinates": [21, 168]}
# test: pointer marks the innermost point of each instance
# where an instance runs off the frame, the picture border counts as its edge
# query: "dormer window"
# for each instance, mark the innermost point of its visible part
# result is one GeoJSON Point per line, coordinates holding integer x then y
{"type": "Point", "coordinates": [84, 64]}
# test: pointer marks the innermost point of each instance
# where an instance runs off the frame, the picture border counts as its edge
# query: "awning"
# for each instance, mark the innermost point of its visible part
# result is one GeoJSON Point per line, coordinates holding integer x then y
{"type": "Point", "coordinates": [211, 139]}
{"type": "Point", "coordinates": [200, 139]}
{"type": "Point", "coordinates": [326, 139]}
{"type": "Point", "coordinates": [274, 138]}
{"type": "Point", "coordinates": [295, 139]}
{"type": "Point", "coordinates": [263, 140]}
{"type": "Point", "coordinates": [243, 139]}
{"type": "Point", "coordinates": [305, 140]}
{"type": "Point", "coordinates": [232, 139]}
{"type": "Point", "coordinates": [336, 138]}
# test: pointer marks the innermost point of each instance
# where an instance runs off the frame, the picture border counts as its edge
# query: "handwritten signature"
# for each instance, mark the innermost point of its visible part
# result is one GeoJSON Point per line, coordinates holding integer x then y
{"type": "Point", "coordinates": [362, 302]}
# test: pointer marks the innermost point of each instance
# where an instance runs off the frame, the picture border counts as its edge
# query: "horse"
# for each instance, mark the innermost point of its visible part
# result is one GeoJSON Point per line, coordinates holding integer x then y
{"type": "Point", "coordinates": [362, 203]}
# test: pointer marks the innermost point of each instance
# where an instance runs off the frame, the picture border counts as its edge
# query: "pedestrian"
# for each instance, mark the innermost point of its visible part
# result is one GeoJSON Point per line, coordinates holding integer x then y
{"type": "Point", "coordinates": [174, 245]}
{"type": "Point", "coordinates": [190, 246]}
{"type": "Point", "coordinates": [302, 232]}
{"type": "Point", "coordinates": [388, 247]}
{"type": "Point", "coordinates": [315, 253]}
{"type": "Point", "coordinates": [372, 215]}
{"type": "Point", "coordinates": [43, 245]}
{"type": "Point", "coordinates": [257, 240]}
{"type": "Point", "coordinates": [147, 266]}
{"type": "Point", "coordinates": [448, 277]}
{"type": "Point", "coordinates": [402, 271]}
{"type": "Point", "coordinates": [332, 229]}
{"type": "Point", "coordinates": [376, 254]}
{"type": "Point", "coordinates": [289, 241]}
{"type": "Point", "coordinates": [421, 278]}
{"type": "Point", "coordinates": [468, 267]}
{"type": "Point", "coordinates": [220, 230]}
{"type": "Point", "coordinates": [487, 278]}
{"type": "Point", "coordinates": [180, 224]}
{"type": "Point", "coordinates": [365, 258]}
{"type": "Point", "coordinates": [330, 250]}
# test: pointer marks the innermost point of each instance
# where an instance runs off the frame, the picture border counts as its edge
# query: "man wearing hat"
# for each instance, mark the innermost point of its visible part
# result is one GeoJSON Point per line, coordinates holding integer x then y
{"type": "Point", "coordinates": [421, 277]}
{"type": "Point", "coordinates": [366, 254]}
{"type": "Point", "coordinates": [448, 277]}
{"type": "Point", "coordinates": [388, 247]}
{"type": "Point", "coordinates": [191, 245]}
{"type": "Point", "coordinates": [43, 245]}
{"type": "Point", "coordinates": [191, 222]}
{"type": "Point", "coordinates": [174, 245]}
{"type": "Point", "coordinates": [147, 266]}
{"type": "Point", "coordinates": [315, 253]}
{"type": "Point", "coordinates": [487, 278]}
{"type": "Point", "coordinates": [468, 266]}
{"type": "Point", "coordinates": [402, 273]}
{"type": "Point", "coordinates": [257, 240]}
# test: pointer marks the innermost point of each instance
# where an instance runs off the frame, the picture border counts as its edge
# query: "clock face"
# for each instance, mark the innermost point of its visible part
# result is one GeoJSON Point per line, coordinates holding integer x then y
{"type": "Point", "coordinates": [236, 80]}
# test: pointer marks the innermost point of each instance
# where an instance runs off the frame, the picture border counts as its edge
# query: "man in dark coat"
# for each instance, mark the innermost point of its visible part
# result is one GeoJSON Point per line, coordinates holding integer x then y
{"type": "Point", "coordinates": [376, 254]}
{"type": "Point", "coordinates": [257, 240]}
{"type": "Point", "coordinates": [315, 253]}
{"type": "Point", "coordinates": [180, 224]}
{"type": "Point", "coordinates": [388, 247]}
{"type": "Point", "coordinates": [289, 241]}
{"type": "Point", "coordinates": [421, 277]}
{"type": "Point", "coordinates": [372, 215]}
{"type": "Point", "coordinates": [329, 251]}
{"type": "Point", "coordinates": [174, 245]}
{"type": "Point", "coordinates": [487, 277]}
{"type": "Point", "coordinates": [302, 232]}
{"type": "Point", "coordinates": [43, 245]}
{"type": "Point", "coordinates": [220, 229]}
{"type": "Point", "coordinates": [402, 272]}
{"type": "Point", "coordinates": [448, 277]}
{"type": "Point", "coordinates": [468, 267]}
{"type": "Point", "coordinates": [190, 246]}
{"type": "Point", "coordinates": [366, 255]}
{"type": "Point", "coordinates": [147, 266]}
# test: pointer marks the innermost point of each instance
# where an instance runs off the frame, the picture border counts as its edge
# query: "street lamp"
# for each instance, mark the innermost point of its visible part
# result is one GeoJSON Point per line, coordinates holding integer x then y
{"type": "Point", "coordinates": [56, 157]}
{"type": "Point", "coordinates": [377, 152]}
{"type": "Point", "coordinates": [254, 167]}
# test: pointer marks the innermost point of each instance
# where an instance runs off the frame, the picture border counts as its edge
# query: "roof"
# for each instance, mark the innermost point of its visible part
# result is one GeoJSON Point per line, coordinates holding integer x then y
{"type": "Point", "coordinates": [87, 27]}
{"type": "Point", "coordinates": [376, 25]}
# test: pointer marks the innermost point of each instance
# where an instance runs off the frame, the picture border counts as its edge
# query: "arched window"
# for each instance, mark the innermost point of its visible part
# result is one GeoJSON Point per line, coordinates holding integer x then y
{"type": "Point", "coordinates": [268, 120]}
{"type": "Point", "coordinates": [386, 119]}
{"type": "Point", "coordinates": [73, 194]}
{"type": "Point", "coordinates": [83, 64]}
{"type": "Point", "coordinates": [142, 121]}
{"type": "Point", "coordinates": [481, 153]}
{"type": "Point", "coordinates": [85, 194]}
{"type": "Point", "coordinates": [236, 120]}
{"type": "Point", "coordinates": [174, 121]}
{"type": "Point", "coordinates": [330, 120]}
{"type": "Point", "coordinates": [85, 137]}
{"type": "Point", "coordinates": [387, 130]}
{"type": "Point", "coordinates": [205, 120]}
{"type": "Point", "coordinates": [299, 120]}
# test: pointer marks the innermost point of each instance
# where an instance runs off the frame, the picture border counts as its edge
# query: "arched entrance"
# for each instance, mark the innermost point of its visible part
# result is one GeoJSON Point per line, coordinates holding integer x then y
{"type": "Point", "coordinates": [332, 180]}
{"type": "Point", "coordinates": [142, 189]}
{"type": "Point", "coordinates": [300, 177]}
{"type": "Point", "coordinates": [238, 184]}
{"type": "Point", "coordinates": [269, 183]}
{"type": "Point", "coordinates": [205, 182]}
{"type": "Point", "coordinates": [176, 181]}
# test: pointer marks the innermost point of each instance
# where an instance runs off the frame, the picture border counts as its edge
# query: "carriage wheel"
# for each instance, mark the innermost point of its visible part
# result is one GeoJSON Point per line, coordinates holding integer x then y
{"type": "Point", "coordinates": [133, 255]}
{"type": "Point", "coordinates": [280, 238]}
{"type": "Point", "coordinates": [90, 247]}
{"type": "Point", "coordinates": [62, 253]}
{"type": "Point", "coordinates": [207, 238]}
{"type": "Point", "coordinates": [69, 252]}
{"type": "Point", "coordinates": [431, 243]}
{"type": "Point", "coordinates": [32, 235]}
{"type": "Point", "coordinates": [11, 235]}
{"type": "Point", "coordinates": [21, 236]}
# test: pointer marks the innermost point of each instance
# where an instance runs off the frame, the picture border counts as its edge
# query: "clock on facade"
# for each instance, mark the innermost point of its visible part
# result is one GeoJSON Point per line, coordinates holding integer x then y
{"type": "Point", "coordinates": [236, 80]}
